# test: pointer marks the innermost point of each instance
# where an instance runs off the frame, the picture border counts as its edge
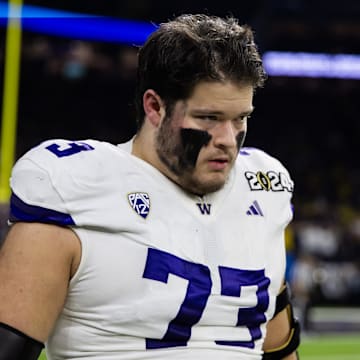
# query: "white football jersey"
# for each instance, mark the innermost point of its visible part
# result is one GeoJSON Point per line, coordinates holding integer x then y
{"type": "Point", "coordinates": [163, 274]}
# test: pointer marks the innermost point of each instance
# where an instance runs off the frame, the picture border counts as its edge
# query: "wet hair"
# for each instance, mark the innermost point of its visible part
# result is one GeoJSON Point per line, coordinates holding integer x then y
{"type": "Point", "coordinates": [194, 48]}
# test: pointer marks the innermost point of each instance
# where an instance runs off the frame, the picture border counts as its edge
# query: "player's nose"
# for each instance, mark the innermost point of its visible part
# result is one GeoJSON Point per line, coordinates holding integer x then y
{"type": "Point", "coordinates": [225, 134]}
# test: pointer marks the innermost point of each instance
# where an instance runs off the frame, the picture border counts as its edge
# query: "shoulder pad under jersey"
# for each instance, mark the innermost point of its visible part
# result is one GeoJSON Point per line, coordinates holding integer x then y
{"type": "Point", "coordinates": [51, 178]}
{"type": "Point", "coordinates": [264, 171]}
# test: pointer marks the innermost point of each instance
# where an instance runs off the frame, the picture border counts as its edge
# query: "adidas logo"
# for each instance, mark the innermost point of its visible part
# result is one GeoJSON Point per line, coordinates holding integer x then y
{"type": "Point", "coordinates": [255, 209]}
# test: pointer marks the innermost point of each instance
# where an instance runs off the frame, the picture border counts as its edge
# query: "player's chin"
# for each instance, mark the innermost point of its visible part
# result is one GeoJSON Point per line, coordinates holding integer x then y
{"type": "Point", "coordinates": [213, 182]}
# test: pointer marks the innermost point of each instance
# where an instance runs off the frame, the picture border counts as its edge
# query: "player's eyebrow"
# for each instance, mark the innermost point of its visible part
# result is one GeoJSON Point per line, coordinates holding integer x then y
{"type": "Point", "coordinates": [248, 112]}
{"type": "Point", "coordinates": [204, 111]}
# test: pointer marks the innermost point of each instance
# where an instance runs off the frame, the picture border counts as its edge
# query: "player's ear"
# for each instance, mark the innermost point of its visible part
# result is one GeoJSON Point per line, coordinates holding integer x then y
{"type": "Point", "coordinates": [154, 107]}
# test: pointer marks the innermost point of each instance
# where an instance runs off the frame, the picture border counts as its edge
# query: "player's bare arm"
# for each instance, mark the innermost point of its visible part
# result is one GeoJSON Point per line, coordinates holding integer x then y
{"type": "Point", "coordinates": [282, 333]}
{"type": "Point", "coordinates": [36, 263]}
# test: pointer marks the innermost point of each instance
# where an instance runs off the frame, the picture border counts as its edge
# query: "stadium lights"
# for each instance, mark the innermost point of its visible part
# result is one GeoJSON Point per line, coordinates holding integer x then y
{"type": "Point", "coordinates": [343, 66]}
{"type": "Point", "coordinates": [80, 26]}
{"type": "Point", "coordinates": [101, 28]}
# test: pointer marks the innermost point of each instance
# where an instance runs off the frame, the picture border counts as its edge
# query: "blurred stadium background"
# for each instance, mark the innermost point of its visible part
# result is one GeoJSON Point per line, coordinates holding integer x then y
{"type": "Point", "coordinates": [80, 85]}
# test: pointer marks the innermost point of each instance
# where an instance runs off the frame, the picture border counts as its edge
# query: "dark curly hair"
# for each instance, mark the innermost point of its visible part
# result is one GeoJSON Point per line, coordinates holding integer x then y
{"type": "Point", "coordinates": [192, 48]}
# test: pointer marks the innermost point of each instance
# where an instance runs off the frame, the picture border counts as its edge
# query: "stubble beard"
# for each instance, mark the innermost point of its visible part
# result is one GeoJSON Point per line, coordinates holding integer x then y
{"type": "Point", "coordinates": [170, 150]}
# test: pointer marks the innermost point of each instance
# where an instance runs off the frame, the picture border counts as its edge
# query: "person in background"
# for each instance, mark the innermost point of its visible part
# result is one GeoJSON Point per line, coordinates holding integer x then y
{"type": "Point", "coordinates": [169, 246]}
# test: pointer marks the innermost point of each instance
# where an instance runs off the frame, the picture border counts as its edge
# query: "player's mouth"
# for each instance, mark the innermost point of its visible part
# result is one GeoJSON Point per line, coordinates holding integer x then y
{"type": "Point", "coordinates": [218, 164]}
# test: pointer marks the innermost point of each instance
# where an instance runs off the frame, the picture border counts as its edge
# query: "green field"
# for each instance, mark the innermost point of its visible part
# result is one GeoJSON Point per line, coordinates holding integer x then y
{"type": "Point", "coordinates": [321, 347]}
{"type": "Point", "coordinates": [330, 347]}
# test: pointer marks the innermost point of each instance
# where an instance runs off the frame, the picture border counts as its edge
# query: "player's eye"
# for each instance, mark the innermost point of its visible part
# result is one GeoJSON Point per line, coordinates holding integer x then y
{"type": "Point", "coordinates": [242, 119]}
{"type": "Point", "coordinates": [207, 117]}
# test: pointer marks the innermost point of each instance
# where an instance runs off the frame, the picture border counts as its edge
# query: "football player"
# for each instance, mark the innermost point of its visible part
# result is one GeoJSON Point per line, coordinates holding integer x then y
{"type": "Point", "coordinates": [170, 246]}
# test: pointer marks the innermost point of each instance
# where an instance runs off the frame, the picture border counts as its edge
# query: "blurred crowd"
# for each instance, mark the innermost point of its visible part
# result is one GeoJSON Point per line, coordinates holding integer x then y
{"type": "Point", "coordinates": [323, 246]}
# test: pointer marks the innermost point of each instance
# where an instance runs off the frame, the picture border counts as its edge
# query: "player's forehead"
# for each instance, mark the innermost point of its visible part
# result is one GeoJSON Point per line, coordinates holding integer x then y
{"type": "Point", "coordinates": [219, 96]}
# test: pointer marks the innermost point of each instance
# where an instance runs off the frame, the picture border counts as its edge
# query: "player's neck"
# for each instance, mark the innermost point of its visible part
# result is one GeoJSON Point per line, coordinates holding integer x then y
{"type": "Point", "coordinates": [144, 148]}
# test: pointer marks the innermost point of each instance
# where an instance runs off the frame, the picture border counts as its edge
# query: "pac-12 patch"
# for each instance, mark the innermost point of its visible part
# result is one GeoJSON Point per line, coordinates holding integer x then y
{"type": "Point", "coordinates": [140, 202]}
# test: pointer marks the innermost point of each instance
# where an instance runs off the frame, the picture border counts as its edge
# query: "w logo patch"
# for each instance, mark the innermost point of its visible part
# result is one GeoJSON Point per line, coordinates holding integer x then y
{"type": "Point", "coordinates": [140, 202]}
{"type": "Point", "coordinates": [204, 208]}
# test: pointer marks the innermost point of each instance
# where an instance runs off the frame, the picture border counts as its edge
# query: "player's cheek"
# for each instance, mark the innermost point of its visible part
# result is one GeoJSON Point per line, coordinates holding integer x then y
{"type": "Point", "coordinates": [193, 141]}
{"type": "Point", "coordinates": [240, 139]}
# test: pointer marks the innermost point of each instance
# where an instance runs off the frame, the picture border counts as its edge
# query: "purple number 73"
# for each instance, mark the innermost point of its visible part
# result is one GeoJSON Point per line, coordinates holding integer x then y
{"type": "Point", "coordinates": [160, 264]}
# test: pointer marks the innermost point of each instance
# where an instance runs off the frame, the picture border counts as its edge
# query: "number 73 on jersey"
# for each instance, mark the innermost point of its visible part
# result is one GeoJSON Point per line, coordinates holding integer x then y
{"type": "Point", "coordinates": [160, 264]}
